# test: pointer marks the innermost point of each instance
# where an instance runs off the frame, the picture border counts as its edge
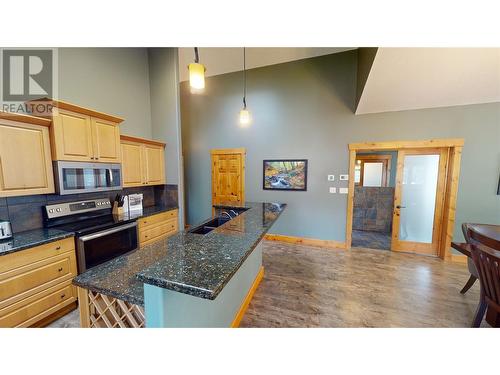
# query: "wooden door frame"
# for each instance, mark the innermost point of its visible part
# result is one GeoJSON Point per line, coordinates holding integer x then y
{"type": "Point", "coordinates": [227, 151]}
{"type": "Point", "coordinates": [454, 147]}
{"type": "Point", "coordinates": [385, 159]}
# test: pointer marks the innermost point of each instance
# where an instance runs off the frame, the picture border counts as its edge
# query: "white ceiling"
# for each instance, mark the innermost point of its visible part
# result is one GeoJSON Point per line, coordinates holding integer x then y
{"type": "Point", "coordinates": [224, 60]}
{"type": "Point", "coordinates": [412, 78]}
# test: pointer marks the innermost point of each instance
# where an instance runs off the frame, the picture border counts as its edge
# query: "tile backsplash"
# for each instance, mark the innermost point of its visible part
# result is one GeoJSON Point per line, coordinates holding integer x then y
{"type": "Point", "coordinates": [25, 212]}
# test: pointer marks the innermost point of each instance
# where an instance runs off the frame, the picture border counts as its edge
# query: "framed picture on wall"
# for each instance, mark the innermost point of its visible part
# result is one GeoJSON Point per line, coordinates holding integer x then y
{"type": "Point", "coordinates": [286, 174]}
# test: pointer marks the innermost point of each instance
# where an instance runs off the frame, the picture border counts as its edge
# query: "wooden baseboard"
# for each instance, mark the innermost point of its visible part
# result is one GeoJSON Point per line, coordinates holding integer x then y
{"type": "Point", "coordinates": [326, 244]}
{"type": "Point", "coordinates": [458, 258]}
{"type": "Point", "coordinates": [248, 298]}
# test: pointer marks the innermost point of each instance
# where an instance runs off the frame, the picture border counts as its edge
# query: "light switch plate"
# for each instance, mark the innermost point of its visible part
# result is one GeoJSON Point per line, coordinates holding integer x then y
{"type": "Point", "coordinates": [343, 190]}
{"type": "Point", "coordinates": [333, 190]}
{"type": "Point", "coordinates": [331, 177]}
{"type": "Point", "coordinates": [344, 177]}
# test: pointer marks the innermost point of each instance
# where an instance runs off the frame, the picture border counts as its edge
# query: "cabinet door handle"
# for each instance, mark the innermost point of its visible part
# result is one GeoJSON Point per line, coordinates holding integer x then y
{"type": "Point", "coordinates": [63, 295]}
{"type": "Point", "coordinates": [60, 269]}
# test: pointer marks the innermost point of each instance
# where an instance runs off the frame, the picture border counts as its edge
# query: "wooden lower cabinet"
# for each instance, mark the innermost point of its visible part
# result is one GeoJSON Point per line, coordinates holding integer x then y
{"type": "Point", "coordinates": [36, 283]}
{"type": "Point", "coordinates": [156, 227]}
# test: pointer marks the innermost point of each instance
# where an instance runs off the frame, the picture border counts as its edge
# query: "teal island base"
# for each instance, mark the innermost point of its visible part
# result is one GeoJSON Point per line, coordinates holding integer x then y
{"type": "Point", "coordinates": [168, 308]}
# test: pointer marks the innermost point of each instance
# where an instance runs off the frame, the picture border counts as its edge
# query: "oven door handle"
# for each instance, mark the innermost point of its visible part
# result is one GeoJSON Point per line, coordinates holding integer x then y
{"type": "Point", "coordinates": [108, 231]}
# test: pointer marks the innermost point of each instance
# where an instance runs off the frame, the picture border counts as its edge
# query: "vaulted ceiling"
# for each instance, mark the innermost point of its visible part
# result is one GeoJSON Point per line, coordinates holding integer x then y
{"type": "Point", "coordinates": [225, 60]}
{"type": "Point", "coordinates": [413, 78]}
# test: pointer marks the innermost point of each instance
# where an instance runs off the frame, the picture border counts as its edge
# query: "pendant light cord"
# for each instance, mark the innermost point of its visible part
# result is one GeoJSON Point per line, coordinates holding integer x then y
{"type": "Point", "coordinates": [244, 80]}
{"type": "Point", "coordinates": [196, 56]}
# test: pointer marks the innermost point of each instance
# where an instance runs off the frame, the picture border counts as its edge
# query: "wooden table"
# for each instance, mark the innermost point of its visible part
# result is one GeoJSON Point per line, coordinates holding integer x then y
{"type": "Point", "coordinates": [487, 230]}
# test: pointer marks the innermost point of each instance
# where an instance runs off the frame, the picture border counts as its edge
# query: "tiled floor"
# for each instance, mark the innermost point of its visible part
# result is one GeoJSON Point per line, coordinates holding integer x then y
{"type": "Point", "coordinates": [371, 240]}
{"type": "Point", "coordinates": [312, 287]}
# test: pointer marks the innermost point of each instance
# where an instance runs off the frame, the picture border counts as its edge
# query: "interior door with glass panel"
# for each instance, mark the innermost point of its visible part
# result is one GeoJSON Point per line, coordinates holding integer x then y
{"type": "Point", "coordinates": [418, 200]}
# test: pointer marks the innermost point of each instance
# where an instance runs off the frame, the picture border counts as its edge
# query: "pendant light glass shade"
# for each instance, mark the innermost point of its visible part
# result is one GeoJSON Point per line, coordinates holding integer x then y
{"type": "Point", "coordinates": [196, 76]}
{"type": "Point", "coordinates": [245, 118]}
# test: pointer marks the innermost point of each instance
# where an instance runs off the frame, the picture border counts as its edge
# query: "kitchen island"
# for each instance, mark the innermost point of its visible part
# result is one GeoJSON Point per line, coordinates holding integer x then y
{"type": "Point", "coordinates": [187, 280]}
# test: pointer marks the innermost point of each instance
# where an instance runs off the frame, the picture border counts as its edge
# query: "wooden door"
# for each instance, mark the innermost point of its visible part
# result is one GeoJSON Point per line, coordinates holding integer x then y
{"type": "Point", "coordinates": [105, 141]}
{"type": "Point", "coordinates": [418, 200]}
{"type": "Point", "coordinates": [73, 137]}
{"type": "Point", "coordinates": [25, 162]}
{"type": "Point", "coordinates": [132, 164]}
{"type": "Point", "coordinates": [154, 164]}
{"type": "Point", "coordinates": [228, 176]}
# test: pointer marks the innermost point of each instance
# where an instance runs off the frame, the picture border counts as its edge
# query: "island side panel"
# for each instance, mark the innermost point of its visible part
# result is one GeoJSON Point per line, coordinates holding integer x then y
{"type": "Point", "coordinates": [169, 309]}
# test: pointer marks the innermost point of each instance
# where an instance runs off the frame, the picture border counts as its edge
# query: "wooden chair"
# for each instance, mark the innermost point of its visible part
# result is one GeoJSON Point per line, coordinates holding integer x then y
{"type": "Point", "coordinates": [470, 263]}
{"type": "Point", "coordinates": [486, 257]}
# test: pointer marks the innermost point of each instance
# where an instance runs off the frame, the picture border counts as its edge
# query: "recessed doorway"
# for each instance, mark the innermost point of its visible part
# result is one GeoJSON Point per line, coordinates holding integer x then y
{"type": "Point", "coordinates": [374, 181]}
{"type": "Point", "coordinates": [423, 197]}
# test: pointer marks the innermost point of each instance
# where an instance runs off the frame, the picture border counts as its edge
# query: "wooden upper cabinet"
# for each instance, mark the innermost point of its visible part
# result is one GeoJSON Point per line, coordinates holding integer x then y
{"type": "Point", "coordinates": [25, 162]}
{"type": "Point", "coordinates": [155, 164]}
{"type": "Point", "coordinates": [82, 134]}
{"type": "Point", "coordinates": [143, 161]}
{"type": "Point", "coordinates": [72, 137]}
{"type": "Point", "coordinates": [132, 164]}
{"type": "Point", "coordinates": [106, 137]}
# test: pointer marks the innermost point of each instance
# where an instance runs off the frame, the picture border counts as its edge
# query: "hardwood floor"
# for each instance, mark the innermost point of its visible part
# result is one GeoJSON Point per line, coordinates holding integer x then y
{"type": "Point", "coordinates": [312, 287]}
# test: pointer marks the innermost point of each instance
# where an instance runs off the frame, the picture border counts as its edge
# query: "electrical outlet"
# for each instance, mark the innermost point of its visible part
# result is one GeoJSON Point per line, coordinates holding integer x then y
{"type": "Point", "coordinates": [333, 190]}
{"type": "Point", "coordinates": [344, 177]}
{"type": "Point", "coordinates": [331, 177]}
{"type": "Point", "coordinates": [343, 190]}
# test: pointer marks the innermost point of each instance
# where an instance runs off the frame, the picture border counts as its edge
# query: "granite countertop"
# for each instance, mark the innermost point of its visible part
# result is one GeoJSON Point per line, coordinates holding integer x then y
{"type": "Point", "coordinates": [31, 238]}
{"type": "Point", "coordinates": [199, 265]}
{"type": "Point", "coordinates": [27, 239]}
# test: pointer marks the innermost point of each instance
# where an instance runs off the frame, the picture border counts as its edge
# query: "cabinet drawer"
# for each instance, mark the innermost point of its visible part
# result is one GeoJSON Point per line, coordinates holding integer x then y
{"type": "Point", "coordinates": [156, 219]}
{"type": "Point", "coordinates": [24, 257]}
{"type": "Point", "coordinates": [158, 231]}
{"type": "Point", "coordinates": [37, 307]}
{"type": "Point", "coordinates": [40, 275]}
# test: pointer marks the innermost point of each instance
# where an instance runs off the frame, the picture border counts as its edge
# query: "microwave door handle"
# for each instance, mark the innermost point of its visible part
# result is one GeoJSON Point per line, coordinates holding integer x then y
{"type": "Point", "coordinates": [107, 231]}
{"type": "Point", "coordinates": [109, 171]}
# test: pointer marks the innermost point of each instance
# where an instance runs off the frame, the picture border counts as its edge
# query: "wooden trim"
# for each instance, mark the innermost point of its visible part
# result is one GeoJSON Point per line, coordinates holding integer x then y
{"type": "Point", "coordinates": [458, 258]}
{"type": "Point", "coordinates": [83, 301]}
{"type": "Point", "coordinates": [76, 108]}
{"type": "Point", "coordinates": [350, 199]}
{"type": "Point", "coordinates": [219, 151]}
{"type": "Point", "coordinates": [131, 138]}
{"type": "Point", "coordinates": [395, 145]}
{"type": "Point", "coordinates": [27, 119]}
{"type": "Point", "coordinates": [244, 306]}
{"type": "Point", "coordinates": [450, 202]}
{"type": "Point", "coordinates": [386, 167]}
{"type": "Point", "coordinates": [326, 244]}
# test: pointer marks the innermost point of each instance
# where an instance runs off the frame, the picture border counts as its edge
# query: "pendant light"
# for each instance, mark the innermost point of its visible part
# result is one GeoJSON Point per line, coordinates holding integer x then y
{"type": "Point", "coordinates": [245, 118]}
{"type": "Point", "coordinates": [196, 73]}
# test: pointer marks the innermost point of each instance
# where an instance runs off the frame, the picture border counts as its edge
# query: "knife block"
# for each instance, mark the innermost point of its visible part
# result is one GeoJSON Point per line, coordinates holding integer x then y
{"type": "Point", "coordinates": [117, 210]}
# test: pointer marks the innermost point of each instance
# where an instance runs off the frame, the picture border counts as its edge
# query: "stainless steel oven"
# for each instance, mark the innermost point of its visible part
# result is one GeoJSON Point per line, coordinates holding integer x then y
{"type": "Point", "coordinates": [79, 177]}
{"type": "Point", "coordinates": [99, 247]}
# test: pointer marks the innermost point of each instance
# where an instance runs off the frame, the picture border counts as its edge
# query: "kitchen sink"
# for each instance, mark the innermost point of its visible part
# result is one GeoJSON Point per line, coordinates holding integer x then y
{"type": "Point", "coordinates": [210, 225]}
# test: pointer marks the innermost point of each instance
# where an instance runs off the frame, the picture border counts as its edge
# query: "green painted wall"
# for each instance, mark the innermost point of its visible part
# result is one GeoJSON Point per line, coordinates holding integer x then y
{"type": "Point", "coordinates": [304, 109]}
{"type": "Point", "coordinates": [111, 80]}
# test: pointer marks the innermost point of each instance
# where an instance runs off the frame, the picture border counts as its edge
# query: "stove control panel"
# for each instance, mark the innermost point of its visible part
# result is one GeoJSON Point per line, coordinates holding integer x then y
{"type": "Point", "coordinates": [70, 208]}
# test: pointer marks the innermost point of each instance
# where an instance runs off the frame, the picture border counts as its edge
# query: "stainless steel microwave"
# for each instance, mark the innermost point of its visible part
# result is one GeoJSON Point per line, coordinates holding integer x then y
{"type": "Point", "coordinates": [72, 177]}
